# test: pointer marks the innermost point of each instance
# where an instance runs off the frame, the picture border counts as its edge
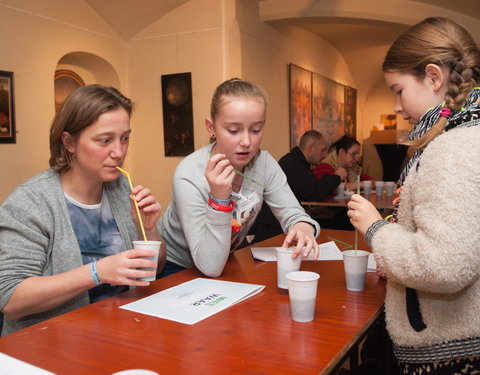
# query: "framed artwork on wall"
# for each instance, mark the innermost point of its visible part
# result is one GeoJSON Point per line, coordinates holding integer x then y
{"type": "Point", "coordinates": [7, 108]}
{"type": "Point", "coordinates": [300, 103]}
{"type": "Point", "coordinates": [322, 104]}
{"type": "Point", "coordinates": [66, 82]}
{"type": "Point", "coordinates": [328, 108]}
{"type": "Point", "coordinates": [177, 114]}
{"type": "Point", "coordinates": [351, 111]}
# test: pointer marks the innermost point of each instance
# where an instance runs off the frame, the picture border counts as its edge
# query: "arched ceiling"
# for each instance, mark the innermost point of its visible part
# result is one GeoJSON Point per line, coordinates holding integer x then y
{"type": "Point", "coordinates": [362, 30]}
{"type": "Point", "coordinates": [128, 17]}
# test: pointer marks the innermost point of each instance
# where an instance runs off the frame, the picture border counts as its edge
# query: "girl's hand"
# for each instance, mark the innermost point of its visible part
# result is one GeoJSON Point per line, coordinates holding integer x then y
{"type": "Point", "coordinates": [149, 208]}
{"type": "Point", "coordinates": [303, 234]}
{"type": "Point", "coordinates": [362, 213]}
{"type": "Point", "coordinates": [219, 174]}
{"type": "Point", "coordinates": [121, 269]}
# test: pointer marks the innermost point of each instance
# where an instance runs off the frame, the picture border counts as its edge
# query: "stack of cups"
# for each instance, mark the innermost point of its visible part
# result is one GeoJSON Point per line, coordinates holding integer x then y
{"type": "Point", "coordinates": [149, 245]}
{"type": "Point", "coordinates": [367, 188]}
{"type": "Point", "coordinates": [389, 187]}
{"type": "Point", "coordinates": [286, 264]}
{"type": "Point", "coordinates": [355, 263]}
{"type": "Point", "coordinates": [379, 187]}
{"type": "Point", "coordinates": [302, 290]}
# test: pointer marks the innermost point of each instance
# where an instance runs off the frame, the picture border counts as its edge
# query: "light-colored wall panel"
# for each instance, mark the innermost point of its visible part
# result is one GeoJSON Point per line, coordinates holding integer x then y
{"type": "Point", "coordinates": [32, 46]}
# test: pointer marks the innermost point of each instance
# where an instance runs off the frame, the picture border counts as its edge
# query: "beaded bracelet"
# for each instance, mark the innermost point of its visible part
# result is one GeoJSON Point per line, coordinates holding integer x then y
{"type": "Point", "coordinates": [221, 207]}
{"type": "Point", "coordinates": [94, 273]}
{"type": "Point", "coordinates": [223, 202]}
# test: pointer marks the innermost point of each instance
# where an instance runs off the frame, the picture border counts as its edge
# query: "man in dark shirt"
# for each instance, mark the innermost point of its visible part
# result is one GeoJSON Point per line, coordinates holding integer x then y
{"type": "Point", "coordinates": [297, 167]}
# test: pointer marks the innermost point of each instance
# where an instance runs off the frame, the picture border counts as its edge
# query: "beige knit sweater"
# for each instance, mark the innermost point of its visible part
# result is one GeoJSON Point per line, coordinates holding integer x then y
{"type": "Point", "coordinates": [435, 249]}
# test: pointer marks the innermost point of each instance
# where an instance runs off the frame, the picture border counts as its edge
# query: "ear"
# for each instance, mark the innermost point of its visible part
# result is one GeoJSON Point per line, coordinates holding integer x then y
{"type": "Point", "coordinates": [68, 142]}
{"type": "Point", "coordinates": [436, 76]}
{"type": "Point", "coordinates": [210, 127]}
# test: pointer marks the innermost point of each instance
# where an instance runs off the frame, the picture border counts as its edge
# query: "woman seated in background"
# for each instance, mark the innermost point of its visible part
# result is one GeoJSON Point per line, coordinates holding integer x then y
{"type": "Point", "coordinates": [219, 189]}
{"type": "Point", "coordinates": [343, 153]}
{"type": "Point", "coordinates": [65, 232]}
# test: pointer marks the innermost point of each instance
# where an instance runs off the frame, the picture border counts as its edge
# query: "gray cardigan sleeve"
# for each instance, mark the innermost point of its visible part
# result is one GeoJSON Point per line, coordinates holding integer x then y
{"type": "Point", "coordinates": [24, 240]}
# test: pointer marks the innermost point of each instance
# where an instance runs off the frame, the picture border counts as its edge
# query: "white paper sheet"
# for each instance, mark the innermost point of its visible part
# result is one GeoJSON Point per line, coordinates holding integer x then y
{"type": "Point", "coordinates": [194, 300]}
{"type": "Point", "coordinates": [13, 366]}
{"type": "Point", "coordinates": [328, 251]}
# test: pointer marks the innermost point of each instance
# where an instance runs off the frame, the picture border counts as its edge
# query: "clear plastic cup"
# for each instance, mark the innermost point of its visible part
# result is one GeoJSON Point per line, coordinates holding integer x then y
{"type": "Point", "coordinates": [379, 187]}
{"type": "Point", "coordinates": [389, 187]}
{"type": "Point", "coordinates": [341, 189]}
{"type": "Point", "coordinates": [367, 188]}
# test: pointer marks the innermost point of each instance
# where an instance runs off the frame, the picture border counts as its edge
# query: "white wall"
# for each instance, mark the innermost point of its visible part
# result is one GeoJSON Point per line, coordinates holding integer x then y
{"type": "Point", "coordinates": [189, 39]}
{"type": "Point", "coordinates": [34, 36]}
{"type": "Point", "coordinates": [266, 53]}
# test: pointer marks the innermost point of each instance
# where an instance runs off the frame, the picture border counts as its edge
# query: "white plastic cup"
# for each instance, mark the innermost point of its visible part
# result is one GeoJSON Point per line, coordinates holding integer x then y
{"type": "Point", "coordinates": [149, 245]}
{"type": "Point", "coordinates": [355, 263]}
{"type": "Point", "coordinates": [379, 187]}
{"type": "Point", "coordinates": [341, 189]}
{"type": "Point", "coordinates": [367, 188]}
{"type": "Point", "coordinates": [389, 187]}
{"type": "Point", "coordinates": [286, 264]}
{"type": "Point", "coordinates": [136, 372]}
{"type": "Point", "coordinates": [302, 289]}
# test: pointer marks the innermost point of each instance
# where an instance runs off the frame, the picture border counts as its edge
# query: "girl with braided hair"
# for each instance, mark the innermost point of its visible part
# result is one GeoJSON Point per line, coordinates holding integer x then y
{"type": "Point", "coordinates": [430, 250]}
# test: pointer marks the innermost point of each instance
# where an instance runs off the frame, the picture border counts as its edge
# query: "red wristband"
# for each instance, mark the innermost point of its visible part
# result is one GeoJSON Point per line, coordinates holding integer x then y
{"type": "Point", "coordinates": [221, 207]}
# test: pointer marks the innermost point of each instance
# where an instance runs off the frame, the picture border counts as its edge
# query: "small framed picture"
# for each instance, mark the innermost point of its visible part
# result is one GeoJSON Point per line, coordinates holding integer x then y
{"type": "Point", "coordinates": [7, 108]}
{"type": "Point", "coordinates": [66, 82]}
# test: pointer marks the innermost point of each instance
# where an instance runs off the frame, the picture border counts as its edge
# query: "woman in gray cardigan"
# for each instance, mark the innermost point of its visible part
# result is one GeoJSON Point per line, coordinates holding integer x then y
{"type": "Point", "coordinates": [219, 189]}
{"type": "Point", "coordinates": [65, 232]}
{"type": "Point", "coordinates": [430, 250]}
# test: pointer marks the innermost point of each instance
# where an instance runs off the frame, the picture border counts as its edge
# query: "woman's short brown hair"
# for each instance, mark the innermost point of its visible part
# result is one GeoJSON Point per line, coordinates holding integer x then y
{"type": "Point", "coordinates": [81, 109]}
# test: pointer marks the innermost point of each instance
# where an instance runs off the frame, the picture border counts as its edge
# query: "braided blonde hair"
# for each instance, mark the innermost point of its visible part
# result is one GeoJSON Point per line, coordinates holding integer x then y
{"type": "Point", "coordinates": [439, 41]}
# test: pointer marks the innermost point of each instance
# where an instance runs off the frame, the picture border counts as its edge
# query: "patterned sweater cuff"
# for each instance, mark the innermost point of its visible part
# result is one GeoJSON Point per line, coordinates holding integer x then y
{"type": "Point", "coordinates": [372, 230]}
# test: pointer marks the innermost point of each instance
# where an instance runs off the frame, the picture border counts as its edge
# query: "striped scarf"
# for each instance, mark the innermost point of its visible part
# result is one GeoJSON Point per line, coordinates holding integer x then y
{"type": "Point", "coordinates": [460, 118]}
{"type": "Point", "coordinates": [467, 116]}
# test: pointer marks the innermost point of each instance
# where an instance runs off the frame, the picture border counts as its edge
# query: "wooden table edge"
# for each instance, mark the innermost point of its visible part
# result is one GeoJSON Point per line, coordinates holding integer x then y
{"type": "Point", "coordinates": [337, 360]}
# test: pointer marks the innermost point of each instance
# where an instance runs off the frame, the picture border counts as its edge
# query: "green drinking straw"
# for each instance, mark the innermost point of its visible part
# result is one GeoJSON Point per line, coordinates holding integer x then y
{"type": "Point", "coordinates": [347, 245]}
{"type": "Point", "coordinates": [243, 174]}
{"type": "Point", "coordinates": [356, 231]}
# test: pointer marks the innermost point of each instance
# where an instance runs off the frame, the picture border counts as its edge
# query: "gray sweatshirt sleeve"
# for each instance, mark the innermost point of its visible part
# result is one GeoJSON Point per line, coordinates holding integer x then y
{"type": "Point", "coordinates": [196, 233]}
{"type": "Point", "coordinates": [207, 232]}
{"type": "Point", "coordinates": [281, 200]}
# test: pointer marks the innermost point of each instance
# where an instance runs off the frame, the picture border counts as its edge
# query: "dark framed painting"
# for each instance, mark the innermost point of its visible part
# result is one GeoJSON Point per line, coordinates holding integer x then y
{"type": "Point", "coordinates": [177, 114]}
{"type": "Point", "coordinates": [66, 82]}
{"type": "Point", "coordinates": [328, 108]}
{"type": "Point", "coordinates": [351, 111]}
{"type": "Point", "coordinates": [300, 103]}
{"type": "Point", "coordinates": [7, 108]}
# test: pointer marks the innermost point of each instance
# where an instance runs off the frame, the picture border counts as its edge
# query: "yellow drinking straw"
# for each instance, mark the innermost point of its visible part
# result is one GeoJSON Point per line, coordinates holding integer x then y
{"type": "Point", "coordinates": [135, 202]}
